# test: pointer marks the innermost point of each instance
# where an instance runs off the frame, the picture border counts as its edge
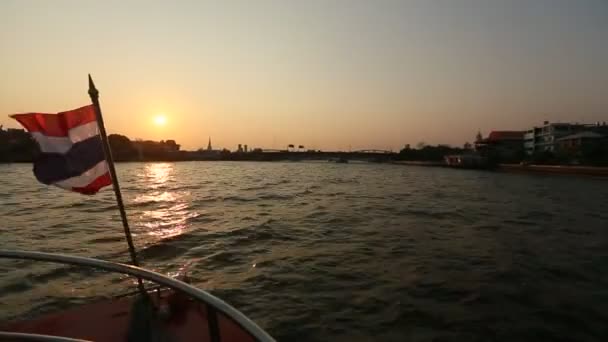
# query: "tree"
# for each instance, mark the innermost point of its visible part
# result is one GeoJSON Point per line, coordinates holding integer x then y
{"type": "Point", "coordinates": [172, 145]}
{"type": "Point", "coordinates": [16, 145]}
{"type": "Point", "coordinates": [122, 148]}
{"type": "Point", "coordinates": [594, 153]}
{"type": "Point", "coordinates": [428, 153]}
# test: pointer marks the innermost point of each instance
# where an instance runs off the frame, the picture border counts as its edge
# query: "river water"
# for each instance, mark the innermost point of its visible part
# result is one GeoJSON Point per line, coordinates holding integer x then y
{"type": "Point", "coordinates": [323, 251]}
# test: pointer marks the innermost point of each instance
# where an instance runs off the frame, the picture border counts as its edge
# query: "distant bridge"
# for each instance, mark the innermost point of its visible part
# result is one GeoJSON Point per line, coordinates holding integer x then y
{"type": "Point", "coordinates": [373, 151]}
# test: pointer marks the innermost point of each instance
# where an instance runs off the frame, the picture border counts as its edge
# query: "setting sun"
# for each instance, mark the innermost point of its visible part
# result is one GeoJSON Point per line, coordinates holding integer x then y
{"type": "Point", "coordinates": [160, 120]}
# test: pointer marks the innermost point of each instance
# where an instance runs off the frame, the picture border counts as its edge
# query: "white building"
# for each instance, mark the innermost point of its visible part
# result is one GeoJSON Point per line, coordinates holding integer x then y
{"type": "Point", "coordinates": [544, 138]}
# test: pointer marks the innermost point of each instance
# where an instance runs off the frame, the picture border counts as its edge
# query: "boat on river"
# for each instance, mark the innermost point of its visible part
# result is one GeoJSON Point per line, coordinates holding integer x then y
{"type": "Point", "coordinates": [339, 160]}
{"type": "Point", "coordinates": [466, 161]}
{"type": "Point", "coordinates": [75, 155]}
{"type": "Point", "coordinates": [171, 310]}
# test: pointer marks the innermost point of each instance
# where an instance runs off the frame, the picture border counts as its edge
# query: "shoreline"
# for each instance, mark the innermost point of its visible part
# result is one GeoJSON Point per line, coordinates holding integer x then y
{"type": "Point", "coordinates": [572, 170]}
{"type": "Point", "coordinates": [420, 163]}
{"type": "Point", "coordinates": [567, 170]}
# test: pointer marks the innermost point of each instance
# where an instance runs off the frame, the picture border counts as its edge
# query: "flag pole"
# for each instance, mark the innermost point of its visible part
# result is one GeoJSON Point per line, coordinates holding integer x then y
{"type": "Point", "coordinates": [94, 94]}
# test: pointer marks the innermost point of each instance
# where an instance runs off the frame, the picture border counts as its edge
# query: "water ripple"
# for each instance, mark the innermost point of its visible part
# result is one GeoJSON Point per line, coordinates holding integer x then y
{"type": "Point", "coordinates": [318, 251]}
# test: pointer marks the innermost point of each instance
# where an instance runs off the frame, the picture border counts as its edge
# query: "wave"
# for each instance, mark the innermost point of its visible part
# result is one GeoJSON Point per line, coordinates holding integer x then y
{"type": "Point", "coordinates": [107, 239]}
{"type": "Point", "coordinates": [430, 213]}
{"type": "Point", "coordinates": [381, 251]}
{"type": "Point", "coordinates": [275, 196]}
{"type": "Point", "coordinates": [238, 199]}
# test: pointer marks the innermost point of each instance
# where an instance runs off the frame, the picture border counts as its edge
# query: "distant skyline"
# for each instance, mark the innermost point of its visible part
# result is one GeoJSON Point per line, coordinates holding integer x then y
{"type": "Point", "coordinates": [334, 74]}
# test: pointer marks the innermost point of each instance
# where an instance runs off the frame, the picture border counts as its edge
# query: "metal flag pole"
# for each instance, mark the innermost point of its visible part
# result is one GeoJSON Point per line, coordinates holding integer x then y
{"type": "Point", "coordinates": [94, 94]}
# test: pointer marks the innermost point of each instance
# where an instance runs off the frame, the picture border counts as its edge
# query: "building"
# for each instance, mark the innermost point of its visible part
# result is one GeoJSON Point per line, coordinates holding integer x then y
{"type": "Point", "coordinates": [208, 151]}
{"type": "Point", "coordinates": [578, 141]}
{"type": "Point", "coordinates": [530, 141]}
{"type": "Point", "coordinates": [545, 138]}
{"type": "Point", "coordinates": [501, 145]}
{"type": "Point", "coordinates": [209, 148]}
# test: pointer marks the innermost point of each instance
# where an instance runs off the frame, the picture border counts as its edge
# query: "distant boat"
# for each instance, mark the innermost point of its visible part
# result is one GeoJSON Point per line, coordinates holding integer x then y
{"type": "Point", "coordinates": [466, 161]}
{"type": "Point", "coordinates": [342, 160]}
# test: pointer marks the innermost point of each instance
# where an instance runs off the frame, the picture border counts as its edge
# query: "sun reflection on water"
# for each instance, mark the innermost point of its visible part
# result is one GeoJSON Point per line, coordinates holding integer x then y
{"type": "Point", "coordinates": [166, 210]}
{"type": "Point", "coordinates": [158, 174]}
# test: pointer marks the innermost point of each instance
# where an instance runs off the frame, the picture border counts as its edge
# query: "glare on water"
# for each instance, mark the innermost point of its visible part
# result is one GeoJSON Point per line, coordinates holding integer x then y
{"type": "Point", "coordinates": [331, 251]}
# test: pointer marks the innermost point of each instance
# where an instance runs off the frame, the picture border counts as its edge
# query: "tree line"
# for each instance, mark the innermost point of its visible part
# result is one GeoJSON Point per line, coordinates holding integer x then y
{"type": "Point", "coordinates": [17, 145]}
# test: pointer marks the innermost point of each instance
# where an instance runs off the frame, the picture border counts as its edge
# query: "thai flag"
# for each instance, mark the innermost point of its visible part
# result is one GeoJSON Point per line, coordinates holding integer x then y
{"type": "Point", "coordinates": [71, 156]}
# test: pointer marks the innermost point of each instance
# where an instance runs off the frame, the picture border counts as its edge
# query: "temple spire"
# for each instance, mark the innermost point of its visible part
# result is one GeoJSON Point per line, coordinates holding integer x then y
{"type": "Point", "coordinates": [209, 148]}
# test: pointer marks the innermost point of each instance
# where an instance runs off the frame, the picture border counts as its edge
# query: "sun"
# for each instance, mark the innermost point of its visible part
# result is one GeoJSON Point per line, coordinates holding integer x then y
{"type": "Point", "coordinates": [160, 120]}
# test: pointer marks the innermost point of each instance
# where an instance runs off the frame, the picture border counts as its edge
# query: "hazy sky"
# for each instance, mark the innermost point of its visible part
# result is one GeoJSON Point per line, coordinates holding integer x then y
{"type": "Point", "coordinates": [325, 74]}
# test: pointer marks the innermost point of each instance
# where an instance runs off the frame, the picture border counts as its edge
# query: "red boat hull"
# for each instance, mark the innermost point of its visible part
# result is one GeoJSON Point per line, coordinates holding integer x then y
{"type": "Point", "coordinates": [109, 321]}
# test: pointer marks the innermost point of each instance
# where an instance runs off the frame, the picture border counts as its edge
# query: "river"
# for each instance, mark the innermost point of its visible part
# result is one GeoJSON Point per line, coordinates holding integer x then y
{"type": "Point", "coordinates": [325, 251]}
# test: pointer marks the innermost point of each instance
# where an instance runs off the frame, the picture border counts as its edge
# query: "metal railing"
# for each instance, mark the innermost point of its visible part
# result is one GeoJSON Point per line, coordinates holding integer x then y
{"type": "Point", "coordinates": [14, 337]}
{"type": "Point", "coordinates": [213, 303]}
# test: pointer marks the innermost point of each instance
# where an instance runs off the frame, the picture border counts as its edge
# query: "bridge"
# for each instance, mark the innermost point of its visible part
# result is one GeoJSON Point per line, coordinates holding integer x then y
{"type": "Point", "coordinates": [374, 151]}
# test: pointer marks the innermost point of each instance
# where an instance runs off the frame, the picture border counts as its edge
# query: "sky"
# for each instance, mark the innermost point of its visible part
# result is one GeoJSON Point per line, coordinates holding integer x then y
{"type": "Point", "coordinates": [332, 75]}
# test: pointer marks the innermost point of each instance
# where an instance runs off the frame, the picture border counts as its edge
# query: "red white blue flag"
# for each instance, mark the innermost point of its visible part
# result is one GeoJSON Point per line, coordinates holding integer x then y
{"type": "Point", "coordinates": [71, 152]}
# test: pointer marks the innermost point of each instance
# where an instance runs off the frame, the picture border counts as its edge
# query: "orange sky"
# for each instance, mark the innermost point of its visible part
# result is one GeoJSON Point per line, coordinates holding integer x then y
{"type": "Point", "coordinates": [326, 74]}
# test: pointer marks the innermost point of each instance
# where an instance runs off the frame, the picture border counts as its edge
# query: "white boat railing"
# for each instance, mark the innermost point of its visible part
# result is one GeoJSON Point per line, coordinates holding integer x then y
{"type": "Point", "coordinates": [12, 336]}
{"type": "Point", "coordinates": [211, 301]}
